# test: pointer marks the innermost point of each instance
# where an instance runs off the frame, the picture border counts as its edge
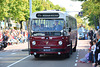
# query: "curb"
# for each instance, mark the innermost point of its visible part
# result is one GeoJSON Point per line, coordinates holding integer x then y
{"type": "Point", "coordinates": [25, 50]}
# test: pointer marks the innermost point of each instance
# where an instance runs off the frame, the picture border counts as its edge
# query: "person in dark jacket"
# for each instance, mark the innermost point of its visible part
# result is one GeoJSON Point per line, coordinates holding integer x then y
{"type": "Point", "coordinates": [91, 34]}
{"type": "Point", "coordinates": [5, 39]}
{"type": "Point", "coordinates": [97, 51]}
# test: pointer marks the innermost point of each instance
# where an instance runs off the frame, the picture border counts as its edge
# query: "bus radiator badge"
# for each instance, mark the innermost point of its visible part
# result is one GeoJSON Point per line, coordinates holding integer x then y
{"type": "Point", "coordinates": [47, 42]}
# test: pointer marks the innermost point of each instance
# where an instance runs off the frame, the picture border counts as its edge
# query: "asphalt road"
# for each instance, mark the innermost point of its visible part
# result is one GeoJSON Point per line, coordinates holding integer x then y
{"type": "Point", "coordinates": [22, 59]}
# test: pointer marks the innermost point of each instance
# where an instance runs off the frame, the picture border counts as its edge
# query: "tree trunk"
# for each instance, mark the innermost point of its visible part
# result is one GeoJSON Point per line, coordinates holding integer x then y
{"type": "Point", "coordinates": [94, 21]}
{"type": "Point", "coordinates": [20, 25]}
{"type": "Point", "coordinates": [5, 24]}
{"type": "Point", "coordinates": [99, 21]}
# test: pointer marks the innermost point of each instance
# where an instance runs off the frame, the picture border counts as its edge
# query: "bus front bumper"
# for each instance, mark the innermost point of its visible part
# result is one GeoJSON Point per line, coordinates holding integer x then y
{"type": "Point", "coordinates": [48, 51]}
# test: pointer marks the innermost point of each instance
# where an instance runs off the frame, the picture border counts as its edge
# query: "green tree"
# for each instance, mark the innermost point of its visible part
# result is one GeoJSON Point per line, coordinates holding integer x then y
{"type": "Point", "coordinates": [18, 10]}
{"type": "Point", "coordinates": [4, 9]}
{"type": "Point", "coordinates": [91, 9]}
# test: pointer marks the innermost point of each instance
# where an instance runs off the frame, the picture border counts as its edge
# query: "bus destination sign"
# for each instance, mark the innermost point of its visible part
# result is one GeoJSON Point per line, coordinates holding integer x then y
{"type": "Point", "coordinates": [47, 15]}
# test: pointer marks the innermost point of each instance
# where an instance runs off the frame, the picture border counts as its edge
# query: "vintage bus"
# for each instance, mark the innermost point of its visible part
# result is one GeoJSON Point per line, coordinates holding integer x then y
{"type": "Point", "coordinates": [52, 32]}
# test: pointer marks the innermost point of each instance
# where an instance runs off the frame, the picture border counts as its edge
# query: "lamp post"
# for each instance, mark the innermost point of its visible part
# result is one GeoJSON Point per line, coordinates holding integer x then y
{"type": "Point", "coordinates": [30, 4]}
{"type": "Point", "coordinates": [30, 20]}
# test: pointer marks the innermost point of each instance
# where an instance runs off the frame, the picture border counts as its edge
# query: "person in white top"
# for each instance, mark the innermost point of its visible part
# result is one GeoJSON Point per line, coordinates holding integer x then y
{"type": "Point", "coordinates": [93, 48]}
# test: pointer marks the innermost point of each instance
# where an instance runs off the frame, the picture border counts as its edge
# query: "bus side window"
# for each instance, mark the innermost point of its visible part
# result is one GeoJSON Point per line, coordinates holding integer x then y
{"type": "Point", "coordinates": [67, 21]}
{"type": "Point", "coordinates": [70, 23]}
{"type": "Point", "coordinates": [75, 24]}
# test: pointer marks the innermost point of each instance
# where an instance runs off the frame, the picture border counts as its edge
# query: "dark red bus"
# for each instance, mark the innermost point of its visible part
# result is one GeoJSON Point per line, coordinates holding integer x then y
{"type": "Point", "coordinates": [52, 32]}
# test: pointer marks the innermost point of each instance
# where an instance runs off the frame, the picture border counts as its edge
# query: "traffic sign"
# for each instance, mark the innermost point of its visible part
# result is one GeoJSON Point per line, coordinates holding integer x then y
{"type": "Point", "coordinates": [80, 14]}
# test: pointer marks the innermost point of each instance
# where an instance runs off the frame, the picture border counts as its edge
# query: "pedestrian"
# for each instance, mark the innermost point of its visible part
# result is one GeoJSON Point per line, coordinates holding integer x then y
{"type": "Point", "coordinates": [93, 48]}
{"type": "Point", "coordinates": [5, 39]}
{"type": "Point", "coordinates": [86, 58]}
{"type": "Point", "coordinates": [90, 53]}
{"type": "Point", "coordinates": [97, 51]}
{"type": "Point", "coordinates": [95, 34]}
{"type": "Point", "coordinates": [91, 44]}
{"type": "Point", "coordinates": [91, 34]}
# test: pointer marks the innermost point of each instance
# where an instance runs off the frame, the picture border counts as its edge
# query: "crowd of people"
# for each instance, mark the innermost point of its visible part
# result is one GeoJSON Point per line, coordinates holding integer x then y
{"type": "Point", "coordinates": [14, 36]}
{"type": "Point", "coordinates": [93, 55]}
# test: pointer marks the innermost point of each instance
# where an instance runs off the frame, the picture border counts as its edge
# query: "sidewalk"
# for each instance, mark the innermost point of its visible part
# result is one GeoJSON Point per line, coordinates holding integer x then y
{"type": "Point", "coordinates": [82, 47]}
{"type": "Point", "coordinates": [17, 47]}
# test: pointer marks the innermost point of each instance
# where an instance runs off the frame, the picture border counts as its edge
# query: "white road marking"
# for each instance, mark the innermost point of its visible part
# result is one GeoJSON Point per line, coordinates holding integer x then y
{"type": "Point", "coordinates": [18, 61]}
{"type": "Point", "coordinates": [76, 57]}
{"type": "Point", "coordinates": [76, 61]}
{"type": "Point", "coordinates": [75, 64]}
{"type": "Point", "coordinates": [0, 57]}
{"type": "Point", "coordinates": [13, 53]}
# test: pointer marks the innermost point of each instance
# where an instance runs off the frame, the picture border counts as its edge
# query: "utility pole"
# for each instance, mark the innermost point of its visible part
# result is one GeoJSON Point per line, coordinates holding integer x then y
{"type": "Point", "coordinates": [30, 18]}
{"type": "Point", "coordinates": [29, 23]}
{"type": "Point", "coordinates": [99, 21]}
{"type": "Point", "coordinates": [30, 3]}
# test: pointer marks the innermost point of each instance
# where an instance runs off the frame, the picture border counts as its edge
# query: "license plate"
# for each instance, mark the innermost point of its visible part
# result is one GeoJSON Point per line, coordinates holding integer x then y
{"type": "Point", "coordinates": [46, 50]}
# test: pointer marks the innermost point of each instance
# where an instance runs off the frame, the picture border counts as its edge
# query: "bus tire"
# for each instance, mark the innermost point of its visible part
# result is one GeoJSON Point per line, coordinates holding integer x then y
{"type": "Point", "coordinates": [71, 50]}
{"type": "Point", "coordinates": [37, 56]}
{"type": "Point", "coordinates": [67, 55]}
{"type": "Point", "coordinates": [74, 49]}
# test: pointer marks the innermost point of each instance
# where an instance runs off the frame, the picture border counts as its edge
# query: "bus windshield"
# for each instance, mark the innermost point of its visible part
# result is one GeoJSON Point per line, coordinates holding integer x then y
{"type": "Point", "coordinates": [47, 25]}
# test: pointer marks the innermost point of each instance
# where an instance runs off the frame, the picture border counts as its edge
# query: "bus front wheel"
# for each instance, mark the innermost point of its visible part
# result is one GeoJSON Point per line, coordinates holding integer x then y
{"type": "Point", "coordinates": [71, 50]}
{"type": "Point", "coordinates": [66, 55]}
{"type": "Point", "coordinates": [74, 49]}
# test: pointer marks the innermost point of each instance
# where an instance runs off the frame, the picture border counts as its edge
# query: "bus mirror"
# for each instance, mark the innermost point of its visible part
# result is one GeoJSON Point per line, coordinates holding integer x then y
{"type": "Point", "coordinates": [69, 29]}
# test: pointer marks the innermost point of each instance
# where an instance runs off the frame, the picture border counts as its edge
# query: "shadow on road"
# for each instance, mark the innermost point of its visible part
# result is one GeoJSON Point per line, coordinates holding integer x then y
{"type": "Point", "coordinates": [50, 57]}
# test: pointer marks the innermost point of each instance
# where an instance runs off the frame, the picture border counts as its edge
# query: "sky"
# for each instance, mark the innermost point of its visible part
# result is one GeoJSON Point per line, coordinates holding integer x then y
{"type": "Point", "coordinates": [73, 7]}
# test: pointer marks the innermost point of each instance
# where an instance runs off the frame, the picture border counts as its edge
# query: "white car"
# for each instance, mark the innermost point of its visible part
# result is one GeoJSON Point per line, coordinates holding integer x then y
{"type": "Point", "coordinates": [81, 36]}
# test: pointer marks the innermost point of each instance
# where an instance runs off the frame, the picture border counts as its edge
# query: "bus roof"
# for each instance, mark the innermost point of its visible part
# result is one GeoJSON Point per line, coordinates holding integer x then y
{"type": "Point", "coordinates": [62, 14]}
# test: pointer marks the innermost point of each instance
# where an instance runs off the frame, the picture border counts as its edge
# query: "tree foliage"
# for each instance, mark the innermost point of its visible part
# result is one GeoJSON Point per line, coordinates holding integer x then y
{"type": "Point", "coordinates": [79, 0]}
{"type": "Point", "coordinates": [91, 9]}
{"type": "Point", "coordinates": [18, 10]}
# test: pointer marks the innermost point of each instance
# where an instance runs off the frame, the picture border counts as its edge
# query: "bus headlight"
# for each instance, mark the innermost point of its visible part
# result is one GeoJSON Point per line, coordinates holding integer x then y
{"type": "Point", "coordinates": [60, 42]}
{"type": "Point", "coordinates": [33, 42]}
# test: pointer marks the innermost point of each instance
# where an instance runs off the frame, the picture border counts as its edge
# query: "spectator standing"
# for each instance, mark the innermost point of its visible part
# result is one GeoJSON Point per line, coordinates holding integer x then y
{"type": "Point", "coordinates": [95, 34]}
{"type": "Point", "coordinates": [90, 53]}
{"type": "Point", "coordinates": [97, 52]}
{"type": "Point", "coordinates": [91, 34]}
{"type": "Point", "coordinates": [0, 34]}
{"type": "Point", "coordinates": [5, 39]}
{"type": "Point", "coordinates": [93, 50]}
{"type": "Point", "coordinates": [91, 43]}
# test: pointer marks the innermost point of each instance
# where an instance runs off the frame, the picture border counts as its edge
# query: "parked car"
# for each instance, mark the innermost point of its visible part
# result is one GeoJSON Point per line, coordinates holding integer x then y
{"type": "Point", "coordinates": [81, 36]}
